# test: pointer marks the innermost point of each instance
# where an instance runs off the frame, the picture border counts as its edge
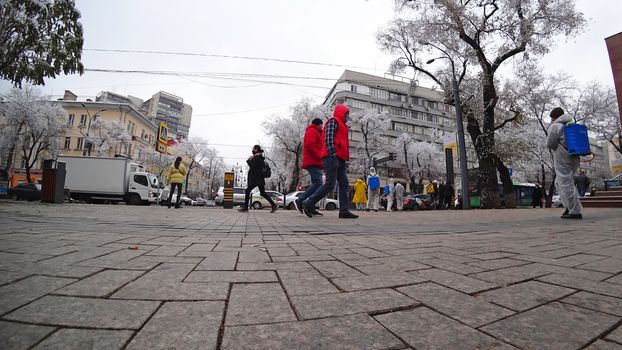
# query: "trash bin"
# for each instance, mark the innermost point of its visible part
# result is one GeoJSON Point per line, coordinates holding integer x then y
{"type": "Point", "coordinates": [53, 186]}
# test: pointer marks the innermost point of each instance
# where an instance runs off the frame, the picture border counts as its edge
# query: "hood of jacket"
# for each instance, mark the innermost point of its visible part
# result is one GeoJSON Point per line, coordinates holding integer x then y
{"type": "Point", "coordinates": [564, 119]}
{"type": "Point", "coordinates": [340, 113]}
{"type": "Point", "coordinates": [314, 127]}
{"type": "Point", "coordinates": [372, 171]}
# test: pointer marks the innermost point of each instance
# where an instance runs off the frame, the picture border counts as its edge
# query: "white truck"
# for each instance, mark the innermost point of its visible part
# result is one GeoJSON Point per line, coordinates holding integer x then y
{"type": "Point", "coordinates": [109, 180]}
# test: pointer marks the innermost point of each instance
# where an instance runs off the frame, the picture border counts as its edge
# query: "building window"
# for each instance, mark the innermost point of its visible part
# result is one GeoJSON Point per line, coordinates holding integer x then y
{"type": "Point", "coordinates": [376, 107]}
{"type": "Point", "coordinates": [397, 97]}
{"type": "Point", "coordinates": [353, 88]}
{"type": "Point", "coordinates": [129, 150]}
{"type": "Point", "coordinates": [70, 120]}
{"type": "Point", "coordinates": [431, 118]}
{"type": "Point", "coordinates": [80, 143]}
{"type": "Point", "coordinates": [83, 120]}
{"type": "Point", "coordinates": [67, 142]}
{"type": "Point", "coordinates": [379, 94]}
{"type": "Point", "coordinates": [358, 104]}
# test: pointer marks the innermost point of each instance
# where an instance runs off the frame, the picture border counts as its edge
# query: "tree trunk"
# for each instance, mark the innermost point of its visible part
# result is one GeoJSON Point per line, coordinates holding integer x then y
{"type": "Point", "coordinates": [188, 174]}
{"type": "Point", "coordinates": [293, 185]}
{"type": "Point", "coordinates": [487, 181]}
{"type": "Point", "coordinates": [506, 181]}
{"type": "Point", "coordinates": [549, 198]}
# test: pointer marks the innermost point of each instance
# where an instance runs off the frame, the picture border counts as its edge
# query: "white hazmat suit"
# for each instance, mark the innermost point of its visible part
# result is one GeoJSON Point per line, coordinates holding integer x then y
{"type": "Point", "coordinates": [399, 196]}
{"type": "Point", "coordinates": [373, 194]}
{"type": "Point", "coordinates": [390, 195]}
{"type": "Point", "coordinates": [565, 165]}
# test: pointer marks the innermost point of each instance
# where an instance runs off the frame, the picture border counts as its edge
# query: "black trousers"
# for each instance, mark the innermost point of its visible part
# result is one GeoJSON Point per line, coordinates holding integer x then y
{"type": "Point", "coordinates": [262, 192]}
{"type": "Point", "coordinates": [170, 195]}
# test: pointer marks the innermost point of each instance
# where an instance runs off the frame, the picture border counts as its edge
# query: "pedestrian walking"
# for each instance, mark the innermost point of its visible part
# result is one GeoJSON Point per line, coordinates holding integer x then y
{"type": "Point", "coordinates": [389, 192]}
{"type": "Point", "coordinates": [448, 194]}
{"type": "Point", "coordinates": [175, 178]}
{"type": "Point", "coordinates": [335, 154]}
{"type": "Point", "coordinates": [441, 196]}
{"type": "Point", "coordinates": [582, 182]}
{"type": "Point", "coordinates": [373, 190]}
{"type": "Point", "coordinates": [399, 196]}
{"type": "Point", "coordinates": [432, 190]}
{"type": "Point", "coordinates": [536, 197]}
{"type": "Point", "coordinates": [256, 178]}
{"type": "Point", "coordinates": [360, 194]}
{"type": "Point", "coordinates": [312, 162]}
{"type": "Point", "coordinates": [565, 164]}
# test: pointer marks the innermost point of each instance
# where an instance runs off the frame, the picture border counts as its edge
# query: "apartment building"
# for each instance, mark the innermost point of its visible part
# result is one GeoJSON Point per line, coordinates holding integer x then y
{"type": "Point", "coordinates": [411, 108]}
{"type": "Point", "coordinates": [161, 107]}
{"type": "Point", "coordinates": [82, 121]}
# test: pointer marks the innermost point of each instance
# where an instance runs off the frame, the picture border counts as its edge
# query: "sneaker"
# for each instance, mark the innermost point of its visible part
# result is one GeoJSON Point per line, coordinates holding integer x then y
{"type": "Point", "coordinates": [274, 208]}
{"type": "Point", "coordinates": [572, 216]}
{"type": "Point", "coordinates": [347, 215]}
{"type": "Point", "coordinates": [317, 213]}
{"type": "Point", "coordinates": [242, 209]}
{"type": "Point", "coordinates": [306, 210]}
{"type": "Point", "coordinates": [565, 212]}
{"type": "Point", "coordinates": [298, 205]}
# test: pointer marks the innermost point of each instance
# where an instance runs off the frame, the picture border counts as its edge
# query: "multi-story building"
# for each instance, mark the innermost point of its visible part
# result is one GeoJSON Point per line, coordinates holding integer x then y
{"type": "Point", "coordinates": [597, 168]}
{"type": "Point", "coordinates": [161, 107]}
{"type": "Point", "coordinates": [81, 125]}
{"type": "Point", "coordinates": [171, 109]}
{"type": "Point", "coordinates": [414, 109]}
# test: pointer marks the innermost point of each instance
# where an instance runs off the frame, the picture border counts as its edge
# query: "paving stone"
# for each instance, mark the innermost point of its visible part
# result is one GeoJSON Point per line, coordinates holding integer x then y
{"type": "Point", "coordinates": [7, 277]}
{"type": "Point", "coordinates": [491, 255]}
{"type": "Point", "coordinates": [24, 291]}
{"type": "Point", "coordinates": [611, 265]}
{"type": "Point", "coordinates": [617, 279]}
{"type": "Point", "coordinates": [332, 269]}
{"type": "Point", "coordinates": [198, 249]}
{"type": "Point", "coordinates": [167, 250]}
{"type": "Point", "coordinates": [182, 325]}
{"type": "Point", "coordinates": [232, 276]}
{"type": "Point", "coordinates": [254, 257]}
{"type": "Point", "coordinates": [350, 332]}
{"type": "Point", "coordinates": [606, 288]}
{"type": "Point", "coordinates": [258, 303]}
{"type": "Point", "coordinates": [459, 306]}
{"type": "Point", "coordinates": [83, 312]}
{"type": "Point", "coordinates": [376, 281]}
{"type": "Point", "coordinates": [17, 336]}
{"type": "Point", "coordinates": [274, 266]}
{"type": "Point", "coordinates": [423, 328]}
{"type": "Point", "coordinates": [596, 302]}
{"type": "Point", "coordinates": [604, 345]}
{"type": "Point", "coordinates": [325, 257]}
{"type": "Point", "coordinates": [369, 253]}
{"type": "Point", "coordinates": [525, 295]}
{"type": "Point", "coordinates": [452, 266]}
{"type": "Point", "coordinates": [305, 283]}
{"type": "Point", "coordinates": [219, 261]}
{"type": "Point", "coordinates": [616, 335]}
{"type": "Point", "coordinates": [326, 305]}
{"type": "Point", "coordinates": [453, 280]}
{"type": "Point", "coordinates": [559, 326]}
{"type": "Point", "coordinates": [498, 263]}
{"type": "Point", "coordinates": [101, 284]}
{"type": "Point", "coordinates": [513, 274]}
{"type": "Point", "coordinates": [80, 339]}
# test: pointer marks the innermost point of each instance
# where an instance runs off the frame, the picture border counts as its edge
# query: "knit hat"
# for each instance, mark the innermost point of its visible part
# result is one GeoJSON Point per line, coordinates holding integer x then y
{"type": "Point", "coordinates": [556, 113]}
{"type": "Point", "coordinates": [317, 121]}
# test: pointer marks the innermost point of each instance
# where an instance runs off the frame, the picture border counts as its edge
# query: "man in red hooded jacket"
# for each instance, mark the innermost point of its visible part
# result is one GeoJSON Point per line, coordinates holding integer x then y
{"type": "Point", "coordinates": [312, 161]}
{"type": "Point", "coordinates": [335, 152]}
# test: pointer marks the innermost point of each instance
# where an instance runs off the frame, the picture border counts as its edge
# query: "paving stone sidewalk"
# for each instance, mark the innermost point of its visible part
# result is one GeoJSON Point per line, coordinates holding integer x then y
{"type": "Point", "coordinates": [77, 276]}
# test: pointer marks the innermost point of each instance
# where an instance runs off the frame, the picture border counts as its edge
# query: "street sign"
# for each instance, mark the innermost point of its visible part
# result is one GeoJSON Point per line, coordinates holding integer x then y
{"type": "Point", "coordinates": [227, 198]}
{"type": "Point", "coordinates": [162, 138]}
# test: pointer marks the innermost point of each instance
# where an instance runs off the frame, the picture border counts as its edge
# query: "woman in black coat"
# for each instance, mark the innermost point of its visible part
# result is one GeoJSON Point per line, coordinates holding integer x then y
{"type": "Point", "coordinates": [256, 178]}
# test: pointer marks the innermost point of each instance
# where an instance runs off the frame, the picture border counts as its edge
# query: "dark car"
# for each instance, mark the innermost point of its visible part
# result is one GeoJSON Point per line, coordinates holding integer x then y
{"type": "Point", "coordinates": [419, 201]}
{"type": "Point", "coordinates": [29, 192]}
{"type": "Point", "coordinates": [407, 198]}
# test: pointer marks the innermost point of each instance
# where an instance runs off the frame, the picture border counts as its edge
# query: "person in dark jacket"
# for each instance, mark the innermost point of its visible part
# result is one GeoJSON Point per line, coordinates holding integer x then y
{"type": "Point", "coordinates": [312, 162]}
{"type": "Point", "coordinates": [536, 197]}
{"type": "Point", "coordinates": [256, 178]}
{"type": "Point", "coordinates": [582, 182]}
{"type": "Point", "coordinates": [335, 154]}
{"type": "Point", "coordinates": [448, 194]}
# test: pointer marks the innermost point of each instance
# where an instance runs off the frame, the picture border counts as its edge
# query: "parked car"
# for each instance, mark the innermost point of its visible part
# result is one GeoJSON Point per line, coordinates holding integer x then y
{"type": "Point", "coordinates": [383, 201]}
{"type": "Point", "coordinates": [325, 203]}
{"type": "Point", "coordinates": [29, 192]}
{"type": "Point", "coordinates": [200, 202]}
{"type": "Point", "coordinates": [187, 200]}
{"type": "Point", "coordinates": [259, 202]}
{"type": "Point", "coordinates": [238, 195]}
{"type": "Point", "coordinates": [557, 202]}
{"type": "Point", "coordinates": [420, 201]}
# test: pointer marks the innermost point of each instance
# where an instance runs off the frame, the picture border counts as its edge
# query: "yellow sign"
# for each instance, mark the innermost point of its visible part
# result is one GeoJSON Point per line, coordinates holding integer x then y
{"type": "Point", "coordinates": [161, 147]}
{"type": "Point", "coordinates": [162, 133]}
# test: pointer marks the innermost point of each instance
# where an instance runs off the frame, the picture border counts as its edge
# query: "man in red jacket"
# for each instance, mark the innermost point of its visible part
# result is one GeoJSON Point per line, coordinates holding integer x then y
{"type": "Point", "coordinates": [312, 161]}
{"type": "Point", "coordinates": [335, 153]}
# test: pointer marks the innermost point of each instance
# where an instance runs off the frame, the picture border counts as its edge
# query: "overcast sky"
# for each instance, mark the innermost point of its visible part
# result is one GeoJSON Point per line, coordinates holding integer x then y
{"type": "Point", "coordinates": [228, 113]}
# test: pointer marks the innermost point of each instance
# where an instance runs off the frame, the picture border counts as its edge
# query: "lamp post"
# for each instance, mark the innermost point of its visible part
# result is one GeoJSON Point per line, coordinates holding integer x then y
{"type": "Point", "coordinates": [88, 128]}
{"type": "Point", "coordinates": [464, 183]}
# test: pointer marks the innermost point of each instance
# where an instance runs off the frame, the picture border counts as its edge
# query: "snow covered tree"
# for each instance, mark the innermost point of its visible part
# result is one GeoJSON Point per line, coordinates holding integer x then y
{"type": "Point", "coordinates": [106, 135]}
{"type": "Point", "coordinates": [39, 39]}
{"type": "Point", "coordinates": [155, 162]}
{"type": "Point", "coordinates": [196, 149]}
{"type": "Point", "coordinates": [32, 128]}
{"type": "Point", "coordinates": [478, 36]}
{"type": "Point", "coordinates": [373, 126]}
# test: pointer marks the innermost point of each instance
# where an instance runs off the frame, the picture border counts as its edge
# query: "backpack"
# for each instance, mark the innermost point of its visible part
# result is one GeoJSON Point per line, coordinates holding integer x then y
{"type": "Point", "coordinates": [265, 170]}
{"type": "Point", "coordinates": [374, 182]}
{"type": "Point", "coordinates": [577, 139]}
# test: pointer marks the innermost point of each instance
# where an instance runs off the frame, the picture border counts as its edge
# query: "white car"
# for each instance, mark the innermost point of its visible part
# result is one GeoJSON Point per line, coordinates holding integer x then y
{"type": "Point", "coordinates": [325, 203]}
{"type": "Point", "coordinates": [557, 202]}
{"type": "Point", "coordinates": [259, 202]}
{"type": "Point", "coordinates": [238, 195]}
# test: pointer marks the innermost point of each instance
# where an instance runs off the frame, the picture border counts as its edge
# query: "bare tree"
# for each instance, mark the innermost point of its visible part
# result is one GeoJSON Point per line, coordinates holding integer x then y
{"type": "Point", "coordinates": [479, 36]}
{"type": "Point", "coordinates": [106, 135]}
{"type": "Point", "coordinates": [373, 127]}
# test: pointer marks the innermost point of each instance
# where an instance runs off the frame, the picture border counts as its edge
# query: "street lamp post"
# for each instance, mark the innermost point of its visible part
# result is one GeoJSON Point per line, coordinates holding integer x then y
{"type": "Point", "coordinates": [464, 183]}
{"type": "Point", "coordinates": [88, 128]}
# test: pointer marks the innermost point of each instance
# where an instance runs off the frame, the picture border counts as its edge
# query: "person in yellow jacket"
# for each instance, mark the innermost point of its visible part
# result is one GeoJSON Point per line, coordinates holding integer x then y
{"type": "Point", "coordinates": [360, 194]}
{"type": "Point", "coordinates": [175, 178]}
